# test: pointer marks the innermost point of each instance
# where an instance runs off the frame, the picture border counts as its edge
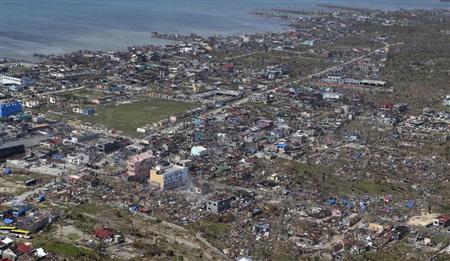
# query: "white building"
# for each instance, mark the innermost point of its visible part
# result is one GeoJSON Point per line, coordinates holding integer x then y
{"type": "Point", "coordinates": [169, 177]}
{"type": "Point", "coordinates": [332, 96]}
{"type": "Point", "coordinates": [8, 80]}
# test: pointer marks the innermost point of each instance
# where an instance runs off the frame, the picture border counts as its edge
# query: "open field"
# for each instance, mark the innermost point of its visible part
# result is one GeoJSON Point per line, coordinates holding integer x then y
{"type": "Point", "coordinates": [15, 184]}
{"type": "Point", "coordinates": [10, 188]}
{"type": "Point", "coordinates": [151, 238]}
{"type": "Point", "coordinates": [126, 118]}
{"type": "Point", "coordinates": [65, 250]}
{"type": "Point", "coordinates": [417, 67]}
{"type": "Point", "coordinates": [84, 95]}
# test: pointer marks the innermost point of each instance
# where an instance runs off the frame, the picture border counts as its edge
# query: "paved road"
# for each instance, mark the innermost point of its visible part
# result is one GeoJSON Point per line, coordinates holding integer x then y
{"type": "Point", "coordinates": [174, 128]}
{"type": "Point", "coordinates": [344, 64]}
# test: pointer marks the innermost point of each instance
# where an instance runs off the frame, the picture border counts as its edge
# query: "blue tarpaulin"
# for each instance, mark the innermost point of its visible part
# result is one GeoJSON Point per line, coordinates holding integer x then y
{"type": "Point", "coordinates": [8, 221]}
{"type": "Point", "coordinates": [236, 120]}
{"type": "Point", "coordinates": [362, 206]}
{"type": "Point", "coordinates": [282, 145]}
{"type": "Point", "coordinates": [198, 122]}
{"type": "Point", "coordinates": [347, 203]}
{"type": "Point", "coordinates": [58, 156]}
{"type": "Point", "coordinates": [134, 208]}
{"type": "Point", "coordinates": [41, 198]}
{"type": "Point", "coordinates": [331, 201]}
{"type": "Point", "coordinates": [251, 150]}
{"type": "Point", "coordinates": [389, 209]}
{"type": "Point", "coordinates": [409, 203]}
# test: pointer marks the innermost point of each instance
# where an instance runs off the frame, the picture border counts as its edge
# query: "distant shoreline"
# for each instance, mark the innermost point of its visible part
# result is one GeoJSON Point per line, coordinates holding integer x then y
{"type": "Point", "coordinates": [61, 50]}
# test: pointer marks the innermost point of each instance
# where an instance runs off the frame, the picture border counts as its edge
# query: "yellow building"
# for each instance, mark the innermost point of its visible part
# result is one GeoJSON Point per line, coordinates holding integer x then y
{"type": "Point", "coordinates": [169, 177]}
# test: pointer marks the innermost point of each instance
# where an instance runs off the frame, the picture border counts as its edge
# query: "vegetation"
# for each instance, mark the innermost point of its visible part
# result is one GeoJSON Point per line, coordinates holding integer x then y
{"type": "Point", "coordinates": [125, 117]}
{"type": "Point", "coordinates": [397, 251]}
{"type": "Point", "coordinates": [356, 42]}
{"type": "Point", "coordinates": [417, 67]}
{"type": "Point", "coordinates": [376, 187]}
{"type": "Point", "coordinates": [282, 256]}
{"type": "Point", "coordinates": [212, 230]}
{"type": "Point", "coordinates": [65, 250]}
{"type": "Point", "coordinates": [128, 117]}
{"type": "Point", "coordinates": [299, 64]}
{"type": "Point", "coordinates": [89, 208]}
{"type": "Point", "coordinates": [83, 95]}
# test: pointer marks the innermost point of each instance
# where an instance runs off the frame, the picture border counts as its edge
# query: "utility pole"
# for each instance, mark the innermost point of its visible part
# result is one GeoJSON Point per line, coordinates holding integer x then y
{"type": "Point", "coordinates": [60, 230]}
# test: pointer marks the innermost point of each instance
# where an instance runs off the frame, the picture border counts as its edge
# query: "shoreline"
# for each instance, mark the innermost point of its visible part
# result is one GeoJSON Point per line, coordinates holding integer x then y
{"type": "Point", "coordinates": [274, 14]}
{"type": "Point", "coordinates": [153, 41]}
{"type": "Point", "coordinates": [33, 58]}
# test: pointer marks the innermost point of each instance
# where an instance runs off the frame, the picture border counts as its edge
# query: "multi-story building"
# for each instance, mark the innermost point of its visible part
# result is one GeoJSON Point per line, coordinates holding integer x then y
{"type": "Point", "coordinates": [110, 146]}
{"type": "Point", "coordinates": [219, 203]}
{"type": "Point", "coordinates": [20, 208]}
{"type": "Point", "coordinates": [8, 80]}
{"type": "Point", "coordinates": [9, 108]}
{"type": "Point", "coordinates": [140, 165]}
{"type": "Point", "coordinates": [169, 177]}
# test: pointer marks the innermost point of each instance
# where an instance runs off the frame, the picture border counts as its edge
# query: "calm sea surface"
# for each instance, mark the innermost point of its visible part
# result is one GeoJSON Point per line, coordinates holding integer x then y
{"type": "Point", "coordinates": [56, 26]}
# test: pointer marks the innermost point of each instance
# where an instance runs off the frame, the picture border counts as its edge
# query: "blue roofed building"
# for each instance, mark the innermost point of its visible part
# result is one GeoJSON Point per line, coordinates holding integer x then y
{"type": "Point", "coordinates": [19, 208]}
{"type": "Point", "coordinates": [9, 108]}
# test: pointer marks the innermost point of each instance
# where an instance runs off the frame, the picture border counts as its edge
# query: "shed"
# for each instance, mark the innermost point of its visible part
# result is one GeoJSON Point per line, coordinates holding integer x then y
{"type": "Point", "coordinates": [103, 233]}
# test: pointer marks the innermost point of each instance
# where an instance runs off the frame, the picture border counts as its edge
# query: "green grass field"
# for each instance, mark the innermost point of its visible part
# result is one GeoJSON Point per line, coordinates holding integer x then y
{"type": "Point", "coordinates": [65, 250]}
{"type": "Point", "coordinates": [128, 117]}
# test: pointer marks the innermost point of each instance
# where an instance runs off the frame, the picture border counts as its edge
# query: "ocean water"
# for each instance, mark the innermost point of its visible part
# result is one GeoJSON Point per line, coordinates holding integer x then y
{"type": "Point", "coordinates": [56, 26]}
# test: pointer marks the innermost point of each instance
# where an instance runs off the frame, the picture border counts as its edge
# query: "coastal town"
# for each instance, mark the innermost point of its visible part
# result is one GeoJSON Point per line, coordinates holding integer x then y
{"type": "Point", "coordinates": [327, 141]}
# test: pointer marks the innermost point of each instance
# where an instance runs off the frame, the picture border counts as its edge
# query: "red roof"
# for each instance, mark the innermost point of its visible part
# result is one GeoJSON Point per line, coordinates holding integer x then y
{"type": "Point", "coordinates": [24, 248]}
{"type": "Point", "coordinates": [103, 233]}
{"type": "Point", "coordinates": [444, 218]}
{"type": "Point", "coordinates": [228, 65]}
